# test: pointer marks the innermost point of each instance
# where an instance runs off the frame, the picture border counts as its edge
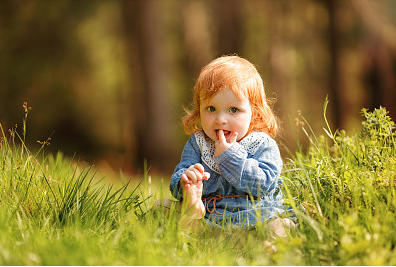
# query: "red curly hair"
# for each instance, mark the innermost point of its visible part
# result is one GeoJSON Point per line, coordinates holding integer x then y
{"type": "Point", "coordinates": [241, 76]}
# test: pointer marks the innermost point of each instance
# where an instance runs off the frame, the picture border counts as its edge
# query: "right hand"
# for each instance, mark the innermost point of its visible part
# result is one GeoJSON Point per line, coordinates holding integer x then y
{"type": "Point", "coordinates": [194, 174]}
{"type": "Point", "coordinates": [223, 143]}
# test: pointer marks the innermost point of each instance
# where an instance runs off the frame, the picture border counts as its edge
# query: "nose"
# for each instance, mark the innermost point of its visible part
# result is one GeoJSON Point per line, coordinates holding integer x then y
{"type": "Point", "coordinates": [221, 118]}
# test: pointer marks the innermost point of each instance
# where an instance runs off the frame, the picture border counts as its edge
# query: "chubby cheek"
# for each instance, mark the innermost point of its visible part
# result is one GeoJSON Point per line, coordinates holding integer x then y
{"type": "Point", "coordinates": [206, 126]}
{"type": "Point", "coordinates": [244, 129]}
{"type": "Point", "coordinates": [204, 121]}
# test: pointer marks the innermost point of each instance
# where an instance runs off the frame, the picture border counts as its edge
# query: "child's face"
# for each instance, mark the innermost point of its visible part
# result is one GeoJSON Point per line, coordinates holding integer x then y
{"type": "Point", "coordinates": [226, 112]}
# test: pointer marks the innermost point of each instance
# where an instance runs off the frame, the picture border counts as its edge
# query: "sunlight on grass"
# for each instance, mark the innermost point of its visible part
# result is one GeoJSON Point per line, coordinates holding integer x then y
{"type": "Point", "coordinates": [55, 211]}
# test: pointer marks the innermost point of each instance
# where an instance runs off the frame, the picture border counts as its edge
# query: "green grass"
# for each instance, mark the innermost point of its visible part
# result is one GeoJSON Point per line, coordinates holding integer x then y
{"type": "Point", "coordinates": [54, 211]}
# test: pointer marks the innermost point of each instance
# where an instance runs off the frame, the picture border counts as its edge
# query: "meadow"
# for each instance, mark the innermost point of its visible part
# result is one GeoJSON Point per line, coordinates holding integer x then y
{"type": "Point", "coordinates": [55, 210]}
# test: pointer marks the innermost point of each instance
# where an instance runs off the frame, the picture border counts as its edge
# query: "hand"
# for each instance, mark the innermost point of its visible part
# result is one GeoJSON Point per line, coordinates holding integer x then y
{"type": "Point", "coordinates": [194, 174]}
{"type": "Point", "coordinates": [222, 144]}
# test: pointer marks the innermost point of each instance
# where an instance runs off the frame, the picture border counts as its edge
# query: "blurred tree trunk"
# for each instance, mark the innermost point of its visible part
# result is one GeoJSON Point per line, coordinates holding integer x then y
{"type": "Point", "coordinates": [145, 26]}
{"type": "Point", "coordinates": [227, 17]}
{"type": "Point", "coordinates": [335, 97]}
{"type": "Point", "coordinates": [198, 39]}
{"type": "Point", "coordinates": [379, 75]}
{"type": "Point", "coordinates": [379, 48]}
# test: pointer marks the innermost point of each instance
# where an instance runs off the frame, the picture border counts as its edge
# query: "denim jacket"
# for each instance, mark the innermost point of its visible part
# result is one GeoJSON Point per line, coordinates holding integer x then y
{"type": "Point", "coordinates": [244, 180]}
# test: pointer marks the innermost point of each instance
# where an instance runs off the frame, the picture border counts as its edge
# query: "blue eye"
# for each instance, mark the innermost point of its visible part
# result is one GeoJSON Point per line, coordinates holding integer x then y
{"type": "Point", "coordinates": [233, 110]}
{"type": "Point", "coordinates": [211, 109]}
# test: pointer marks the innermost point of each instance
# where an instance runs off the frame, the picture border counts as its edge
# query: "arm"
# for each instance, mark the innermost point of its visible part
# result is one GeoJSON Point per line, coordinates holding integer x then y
{"type": "Point", "coordinates": [257, 174]}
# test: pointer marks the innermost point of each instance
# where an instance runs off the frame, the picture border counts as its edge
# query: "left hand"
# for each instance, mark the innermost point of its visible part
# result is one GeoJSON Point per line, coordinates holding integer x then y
{"type": "Point", "coordinates": [222, 144]}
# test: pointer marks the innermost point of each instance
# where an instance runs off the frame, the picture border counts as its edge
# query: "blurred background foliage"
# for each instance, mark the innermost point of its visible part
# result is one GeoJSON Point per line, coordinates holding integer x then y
{"type": "Point", "coordinates": [107, 80]}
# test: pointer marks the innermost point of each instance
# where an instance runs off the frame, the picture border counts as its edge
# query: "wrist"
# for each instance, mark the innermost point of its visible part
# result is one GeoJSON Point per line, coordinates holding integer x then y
{"type": "Point", "coordinates": [231, 151]}
{"type": "Point", "coordinates": [220, 150]}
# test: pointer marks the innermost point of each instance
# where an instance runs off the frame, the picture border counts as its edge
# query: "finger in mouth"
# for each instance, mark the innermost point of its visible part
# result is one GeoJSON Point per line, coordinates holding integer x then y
{"type": "Point", "coordinates": [225, 133]}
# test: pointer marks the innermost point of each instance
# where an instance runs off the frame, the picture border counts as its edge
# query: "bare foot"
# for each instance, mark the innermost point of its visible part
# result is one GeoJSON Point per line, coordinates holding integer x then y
{"type": "Point", "coordinates": [279, 229]}
{"type": "Point", "coordinates": [193, 197]}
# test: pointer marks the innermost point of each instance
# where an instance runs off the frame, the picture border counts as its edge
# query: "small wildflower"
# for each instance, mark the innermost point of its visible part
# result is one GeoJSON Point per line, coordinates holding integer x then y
{"type": "Point", "coordinates": [12, 132]}
{"type": "Point", "coordinates": [26, 107]}
{"type": "Point", "coordinates": [298, 122]}
{"type": "Point", "coordinates": [44, 143]}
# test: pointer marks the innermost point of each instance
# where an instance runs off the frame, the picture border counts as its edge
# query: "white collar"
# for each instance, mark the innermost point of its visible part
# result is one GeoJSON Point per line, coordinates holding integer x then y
{"type": "Point", "coordinates": [207, 146]}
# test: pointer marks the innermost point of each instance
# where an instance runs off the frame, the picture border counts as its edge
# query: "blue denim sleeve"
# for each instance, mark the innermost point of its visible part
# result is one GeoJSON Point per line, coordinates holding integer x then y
{"type": "Point", "coordinates": [256, 174]}
{"type": "Point", "coordinates": [190, 156]}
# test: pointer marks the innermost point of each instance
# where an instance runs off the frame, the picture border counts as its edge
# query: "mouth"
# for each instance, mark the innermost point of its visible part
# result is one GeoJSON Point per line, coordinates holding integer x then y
{"type": "Point", "coordinates": [225, 132]}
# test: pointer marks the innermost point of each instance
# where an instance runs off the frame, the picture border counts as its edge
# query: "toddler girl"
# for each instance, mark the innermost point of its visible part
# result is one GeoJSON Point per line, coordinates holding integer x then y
{"type": "Point", "coordinates": [230, 166]}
